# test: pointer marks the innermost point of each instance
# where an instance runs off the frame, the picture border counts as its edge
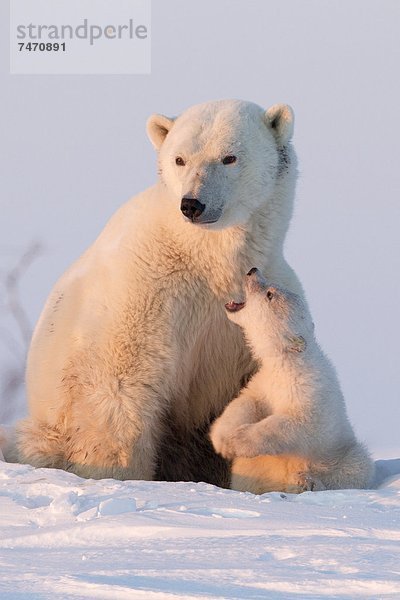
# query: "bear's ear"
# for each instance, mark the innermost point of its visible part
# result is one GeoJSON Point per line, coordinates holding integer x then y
{"type": "Point", "coordinates": [280, 119]}
{"type": "Point", "coordinates": [296, 344]}
{"type": "Point", "coordinates": [158, 128]}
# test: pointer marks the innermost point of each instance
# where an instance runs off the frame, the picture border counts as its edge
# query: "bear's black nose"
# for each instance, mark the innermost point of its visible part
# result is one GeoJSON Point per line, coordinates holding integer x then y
{"type": "Point", "coordinates": [253, 270]}
{"type": "Point", "coordinates": [192, 208]}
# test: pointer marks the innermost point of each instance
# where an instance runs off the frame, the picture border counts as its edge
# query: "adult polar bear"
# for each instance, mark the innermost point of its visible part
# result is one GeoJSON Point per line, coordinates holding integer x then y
{"type": "Point", "coordinates": [133, 352]}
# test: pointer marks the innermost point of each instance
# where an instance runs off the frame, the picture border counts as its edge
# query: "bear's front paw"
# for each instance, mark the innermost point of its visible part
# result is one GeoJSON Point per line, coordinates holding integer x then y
{"type": "Point", "coordinates": [305, 482]}
{"type": "Point", "coordinates": [223, 437]}
{"type": "Point", "coordinates": [245, 442]}
{"type": "Point", "coordinates": [219, 436]}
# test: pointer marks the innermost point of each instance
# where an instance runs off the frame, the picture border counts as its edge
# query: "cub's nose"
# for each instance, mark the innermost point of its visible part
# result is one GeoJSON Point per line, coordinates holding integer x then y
{"type": "Point", "coordinates": [192, 208]}
{"type": "Point", "coordinates": [253, 270]}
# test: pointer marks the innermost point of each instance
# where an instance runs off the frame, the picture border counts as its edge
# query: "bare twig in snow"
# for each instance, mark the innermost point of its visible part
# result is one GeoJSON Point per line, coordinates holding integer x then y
{"type": "Point", "coordinates": [12, 281]}
{"type": "Point", "coordinates": [16, 341]}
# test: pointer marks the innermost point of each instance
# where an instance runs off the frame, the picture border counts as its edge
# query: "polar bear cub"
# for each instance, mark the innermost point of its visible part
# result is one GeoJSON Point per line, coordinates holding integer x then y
{"type": "Point", "coordinates": [288, 429]}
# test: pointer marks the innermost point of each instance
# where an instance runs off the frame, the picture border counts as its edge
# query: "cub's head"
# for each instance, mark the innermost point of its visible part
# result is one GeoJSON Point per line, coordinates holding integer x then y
{"type": "Point", "coordinates": [221, 161]}
{"type": "Point", "coordinates": [274, 320]}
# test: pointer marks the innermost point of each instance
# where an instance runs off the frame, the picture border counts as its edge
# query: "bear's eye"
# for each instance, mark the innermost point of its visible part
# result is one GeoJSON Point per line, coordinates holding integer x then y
{"type": "Point", "coordinates": [179, 161]}
{"type": "Point", "coordinates": [228, 160]}
{"type": "Point", "coordinates": [270, 295]}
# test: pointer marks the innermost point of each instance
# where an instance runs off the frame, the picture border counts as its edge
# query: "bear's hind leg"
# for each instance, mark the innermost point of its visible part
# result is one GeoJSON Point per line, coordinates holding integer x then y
{"type": "Point", "coordinates": [305, 482]}
{"type": "Point", "coordinates": [40, 445]}
{"type": "Point", "coordinates": [352, 468]}
{"type": "Point", "coordinates": [267, 473]}
{"type": "Point", "coordinates": [101, 435]}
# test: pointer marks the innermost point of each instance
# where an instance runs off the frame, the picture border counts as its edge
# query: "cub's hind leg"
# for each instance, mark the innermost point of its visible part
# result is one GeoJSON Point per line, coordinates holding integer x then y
{"type": "Point", "coordinates": [278, 473]}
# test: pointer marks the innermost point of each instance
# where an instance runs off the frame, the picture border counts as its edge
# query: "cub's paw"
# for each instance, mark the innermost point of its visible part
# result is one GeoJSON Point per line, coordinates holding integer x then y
{"type": "Point", "coordinates": [232, 442]}
{"type": "Point", "coordinates": [219, 436]}
{"type": "Point", "coordinates": [305, 482]}
{"type": "Point", "coordinates": [244, 442]}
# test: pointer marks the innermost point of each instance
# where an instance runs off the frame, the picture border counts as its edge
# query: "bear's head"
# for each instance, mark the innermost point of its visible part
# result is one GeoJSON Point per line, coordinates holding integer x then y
{"type": "Point", "coordinates": [221, 161]}
{"type": "Point", "coordinates": [274, 320]}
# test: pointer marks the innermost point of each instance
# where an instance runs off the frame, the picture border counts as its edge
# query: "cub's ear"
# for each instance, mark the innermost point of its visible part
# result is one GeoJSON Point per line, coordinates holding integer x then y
{"type": "Point", "coordinates": [280, 119]}
{"type": "Point", "coordinates": [296, 344]}
{"type": "Point", "coordinates": [158, 128]}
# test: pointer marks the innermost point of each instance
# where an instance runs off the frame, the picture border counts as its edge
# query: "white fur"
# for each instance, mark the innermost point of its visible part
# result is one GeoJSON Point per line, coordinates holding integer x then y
{"type": "Point", "coordinates": [292, 410]}
{"type": "Point", "coordinates": [135, 329]}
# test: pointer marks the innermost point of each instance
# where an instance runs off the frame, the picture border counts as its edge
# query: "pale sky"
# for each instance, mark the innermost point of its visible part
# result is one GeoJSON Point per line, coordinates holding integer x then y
{"type": "Point", "coordinates": [73, 148]}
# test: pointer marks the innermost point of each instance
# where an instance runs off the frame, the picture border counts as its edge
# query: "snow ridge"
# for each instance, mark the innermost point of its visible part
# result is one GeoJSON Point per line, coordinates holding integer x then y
{"type": "Point", "coordinates": [66, 537]}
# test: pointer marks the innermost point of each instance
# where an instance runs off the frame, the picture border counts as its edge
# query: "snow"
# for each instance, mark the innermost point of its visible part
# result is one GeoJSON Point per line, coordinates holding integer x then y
{"type": "Point", "coordinates": [66, 537]}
